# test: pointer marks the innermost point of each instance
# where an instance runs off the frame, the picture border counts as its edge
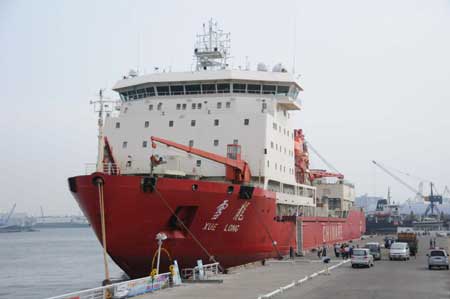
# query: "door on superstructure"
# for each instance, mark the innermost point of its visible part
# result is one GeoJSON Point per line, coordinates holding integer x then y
{"type": "Point", "coordinates": [299, 235]}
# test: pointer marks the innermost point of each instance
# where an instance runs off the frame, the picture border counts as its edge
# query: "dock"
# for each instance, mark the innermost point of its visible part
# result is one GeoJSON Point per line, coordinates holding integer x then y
{"type": "Point", "coordinates": [310, 277]}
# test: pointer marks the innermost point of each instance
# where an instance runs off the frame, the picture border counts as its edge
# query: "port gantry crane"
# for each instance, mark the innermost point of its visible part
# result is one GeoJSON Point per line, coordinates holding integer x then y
{"type": "Point", "coordinates": [237, 170]}
{"type": "Point", "coordinates": [432, 198]}
{"type": "Point", "coordinates": [6, 218]}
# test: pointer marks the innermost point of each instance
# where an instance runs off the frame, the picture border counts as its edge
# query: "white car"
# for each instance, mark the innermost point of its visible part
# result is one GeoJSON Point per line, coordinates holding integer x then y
{"type": "Point", "coordinates": [362, 257]}
{"type": "Point", "coordinates": [399, 251]}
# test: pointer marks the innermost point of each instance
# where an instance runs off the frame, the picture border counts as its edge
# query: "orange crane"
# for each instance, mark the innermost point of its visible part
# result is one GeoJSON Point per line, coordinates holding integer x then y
{"type": "Point", "coordinates": [237, 170]}
{"type": "Point", "coordinates": [320, 173]}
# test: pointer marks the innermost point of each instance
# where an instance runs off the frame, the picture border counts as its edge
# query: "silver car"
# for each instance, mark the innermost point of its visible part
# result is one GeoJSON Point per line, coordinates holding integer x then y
{"type": "Point", "coordinates": [362, 257]}
{"type": "Point", "coordinates": [437, 258]}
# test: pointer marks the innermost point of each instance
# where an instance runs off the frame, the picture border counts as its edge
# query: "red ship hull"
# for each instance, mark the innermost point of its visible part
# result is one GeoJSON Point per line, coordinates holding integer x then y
{"type": "Point", "coordinates": [233, 230]}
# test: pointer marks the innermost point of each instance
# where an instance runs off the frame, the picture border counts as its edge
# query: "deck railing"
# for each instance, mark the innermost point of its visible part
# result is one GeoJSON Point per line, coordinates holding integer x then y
{"type": "Point", "coordinates": [201, 273]}
{"type": "Point", "coordinates": [108, 168]}
{"type": "Point", "coordinates": [126, 289]}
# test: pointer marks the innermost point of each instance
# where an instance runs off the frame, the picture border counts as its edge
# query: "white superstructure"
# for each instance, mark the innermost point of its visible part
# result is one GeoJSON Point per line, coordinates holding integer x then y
{"type": "Point", "coordinates": [208, 109]}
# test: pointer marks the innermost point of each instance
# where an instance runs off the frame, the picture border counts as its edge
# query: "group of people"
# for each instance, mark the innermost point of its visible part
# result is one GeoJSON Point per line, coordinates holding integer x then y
{"type": "Point", "coordinates": [322, 251]}
{"type": "Point", "coordinates": [343, 250]}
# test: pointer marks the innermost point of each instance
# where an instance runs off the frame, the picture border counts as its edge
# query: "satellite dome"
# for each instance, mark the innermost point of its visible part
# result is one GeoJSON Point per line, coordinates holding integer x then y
{"type": "Point", "coordinates": [133, 73]}
{"type": "Point", "coordinates": [279, 68]}
{"type": "Point", "coordinates": [262, 67]}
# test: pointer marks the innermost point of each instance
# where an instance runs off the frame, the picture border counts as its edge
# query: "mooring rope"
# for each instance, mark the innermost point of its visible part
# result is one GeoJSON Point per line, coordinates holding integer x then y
{"type": "Point", "coordinates": [267, 232]}
{"type": "Point", "coordinates": [211, 257]}
{"type": "Point", "coordinates": [103, 225]}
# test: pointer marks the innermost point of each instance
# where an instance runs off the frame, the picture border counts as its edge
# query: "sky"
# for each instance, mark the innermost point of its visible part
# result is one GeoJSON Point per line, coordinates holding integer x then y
{"type": "Point", "coordinates": [375, 75]}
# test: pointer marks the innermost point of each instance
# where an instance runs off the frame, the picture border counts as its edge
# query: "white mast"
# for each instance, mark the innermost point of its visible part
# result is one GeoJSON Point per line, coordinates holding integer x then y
{"type": "Point", "coordinates": [212, 48]}
{"type": "Point", "coordinates": [101, 106]}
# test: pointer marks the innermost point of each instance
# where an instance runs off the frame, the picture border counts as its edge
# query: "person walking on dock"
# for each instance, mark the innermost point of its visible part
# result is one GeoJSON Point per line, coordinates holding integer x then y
{"type": "Point", "coordinates": [319, 252]}
{"type": "Point", "coordinates": [324, 250]}
{"type": "Point", "coordinates": [337, 249]}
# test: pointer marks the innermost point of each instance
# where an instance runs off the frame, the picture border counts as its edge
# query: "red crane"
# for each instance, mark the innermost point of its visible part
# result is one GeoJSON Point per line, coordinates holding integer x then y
{"type": "Point", "coordinates": [320, 173]}
{"type": "Point", "coordinates": [237, 170]}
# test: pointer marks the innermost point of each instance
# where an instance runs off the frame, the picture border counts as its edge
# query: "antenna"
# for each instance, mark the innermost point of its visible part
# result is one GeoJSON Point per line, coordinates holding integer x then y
{"type": "Point", "coordinates": [295, 45]}
{"type": "Point", "coordinates": [212, 48]}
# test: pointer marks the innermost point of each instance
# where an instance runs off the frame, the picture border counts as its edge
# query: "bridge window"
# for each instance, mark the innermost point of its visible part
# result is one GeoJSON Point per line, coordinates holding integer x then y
{"type": "Point", "coordinates": [163, 90]}
{"type": "Point", "coordinates": [132, 94]}
{"type": "Point", "coordinates": [223, 88]}
{"type": "Point", "coordinates": [193, 89]}
{"type": "Point", "coordinates": [199, 106]}
{"type": "Point", "coordinates": [227, 104]}
{"type": "Point", "coordinates": [176, 89]}
{"type": "Point", "coordinates": [219, 105]}
{"type": "Point", "coordinates": [140, 93]}
{"type": "Point", "coordinates": [150, 91]}
{"type": "Point", "coordinates": [178, 106]}
{"type": "Point", "coordinates": [150, 107]}
{"type": "Point", "coordinates": [194, 106]}
{"type": "Point", "coordinates": [146, 124]}
{"type": "Point", "coordinates": [183, 107]}
{"type": "Point", "coordinates": [254, 88]}
{"type": "Point", "coordinates": [283, 90]}
{"type": "Point", "coordinates": [159, 107]}
{"type": "Point", "coordinates": [269, 89]}
{"type": "Point", "coordinates": [239, 88]}
{"type": "Point", "coordinates": [209, 88]}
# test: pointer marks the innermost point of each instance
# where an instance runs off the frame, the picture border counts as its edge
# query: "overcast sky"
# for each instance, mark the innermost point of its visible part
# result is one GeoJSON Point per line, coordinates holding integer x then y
{"type": "Point", "coordinates": [376, 76]}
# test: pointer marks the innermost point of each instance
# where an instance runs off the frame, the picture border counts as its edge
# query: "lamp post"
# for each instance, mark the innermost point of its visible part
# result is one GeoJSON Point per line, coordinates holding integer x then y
{"type": "Point", "coordinates": [160, 237]}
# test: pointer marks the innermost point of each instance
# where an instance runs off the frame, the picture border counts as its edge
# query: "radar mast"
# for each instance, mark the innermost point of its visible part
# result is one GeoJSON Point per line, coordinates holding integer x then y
{"type": "Point", "coordinates": [212, 48]}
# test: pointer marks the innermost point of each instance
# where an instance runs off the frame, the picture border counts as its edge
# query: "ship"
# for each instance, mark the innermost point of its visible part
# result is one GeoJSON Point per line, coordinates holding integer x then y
{"type": "Point", "coordinates": [67, 221]}
{"type": "Point", "coordinates": [210, 163]}
{"type": "Point", "coordinates": [60, 222]}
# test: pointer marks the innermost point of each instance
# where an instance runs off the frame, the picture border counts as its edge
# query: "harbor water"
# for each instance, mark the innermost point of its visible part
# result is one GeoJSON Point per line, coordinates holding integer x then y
{"type": "Point", "coordinates": [50, 262]}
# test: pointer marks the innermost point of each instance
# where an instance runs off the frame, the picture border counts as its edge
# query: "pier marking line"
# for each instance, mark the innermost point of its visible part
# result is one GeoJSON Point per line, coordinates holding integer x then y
{"type": "Point", "coordinates": [301, 281]}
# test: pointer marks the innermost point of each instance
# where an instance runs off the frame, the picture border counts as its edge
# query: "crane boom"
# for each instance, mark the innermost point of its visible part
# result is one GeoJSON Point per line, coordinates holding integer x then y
{"type": "Point", "coordinates": [320, 173]}
{"type": "Point", "coordinates": [398, 179]}
{"type": "Point", "coordinates": [5, 222]}
{"type": "Point", "coordinates": [238, 170]}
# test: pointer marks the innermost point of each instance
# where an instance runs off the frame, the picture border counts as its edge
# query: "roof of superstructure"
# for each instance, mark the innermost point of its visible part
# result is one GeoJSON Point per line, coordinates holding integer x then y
{"type": "Point", "coordinates": [168, 77]}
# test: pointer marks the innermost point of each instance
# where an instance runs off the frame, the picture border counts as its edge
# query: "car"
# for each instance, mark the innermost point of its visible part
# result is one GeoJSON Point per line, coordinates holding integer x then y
{"type": "Point", "coordinates": [362, 257]}
{"type": "Point", "coordinates": [375, 250]}
{"type": "Point", "coordinates": [399, 250]}
{"type": "Point", "coordinates": [437, 258]}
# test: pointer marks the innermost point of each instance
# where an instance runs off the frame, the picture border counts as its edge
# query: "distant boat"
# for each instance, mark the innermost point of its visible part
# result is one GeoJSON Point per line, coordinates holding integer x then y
{"type": "Point", "coordinates": [60, 222]}
{"type": "Point", "coordinates": [16, 228]}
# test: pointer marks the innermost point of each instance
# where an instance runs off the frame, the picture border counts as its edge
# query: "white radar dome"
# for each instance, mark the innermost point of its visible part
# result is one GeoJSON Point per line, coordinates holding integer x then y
{"type": "Point", "coordinates": [262, 67]}
{"type": "Point", "coordinates": [279, 68]}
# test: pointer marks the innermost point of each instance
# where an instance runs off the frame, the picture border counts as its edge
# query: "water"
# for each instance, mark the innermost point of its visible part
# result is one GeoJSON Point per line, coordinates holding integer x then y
{"type": "Point", "coordinates": [50, 262]}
